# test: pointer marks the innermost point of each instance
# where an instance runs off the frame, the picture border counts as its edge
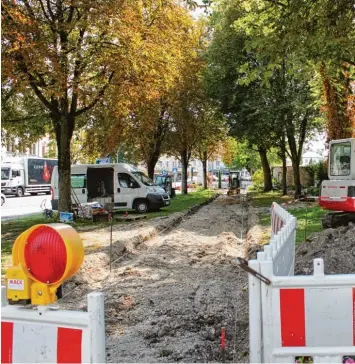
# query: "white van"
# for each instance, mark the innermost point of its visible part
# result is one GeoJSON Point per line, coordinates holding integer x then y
{"type": "Point", "coordinates": [120, 183]}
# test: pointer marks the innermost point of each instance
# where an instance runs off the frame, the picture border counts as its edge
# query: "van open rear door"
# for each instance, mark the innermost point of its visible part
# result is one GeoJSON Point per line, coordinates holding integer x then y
{"type": "Point", "coordinates": [79, 188]}
{"type": "Point", "coordinates": [100, 184]}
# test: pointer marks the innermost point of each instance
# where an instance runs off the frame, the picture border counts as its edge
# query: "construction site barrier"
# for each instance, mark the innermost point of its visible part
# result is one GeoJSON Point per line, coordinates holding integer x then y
{"type": "Point", "coordinates": [48, 335]}
{"type": "Point", "coordinates": [298, 317]}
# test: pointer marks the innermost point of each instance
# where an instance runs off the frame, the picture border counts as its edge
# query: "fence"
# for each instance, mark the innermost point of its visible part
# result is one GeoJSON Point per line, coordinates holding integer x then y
{"type": "Point", "coordinates": [298, 316]}
{"type": "Point", "coordinates": [47, 335]}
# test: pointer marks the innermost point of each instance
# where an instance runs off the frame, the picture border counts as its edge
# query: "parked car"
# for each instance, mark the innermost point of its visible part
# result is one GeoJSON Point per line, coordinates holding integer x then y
{"type": "Point", "coordinates": [3, 199]}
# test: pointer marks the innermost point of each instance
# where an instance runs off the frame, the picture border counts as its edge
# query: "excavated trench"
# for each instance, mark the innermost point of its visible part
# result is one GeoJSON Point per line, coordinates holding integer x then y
{"type": "Point", "coordinates": [167, 298]}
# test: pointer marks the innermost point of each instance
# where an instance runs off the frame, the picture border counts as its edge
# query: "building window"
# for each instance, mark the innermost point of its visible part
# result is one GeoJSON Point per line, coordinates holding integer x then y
{"type": "Point", "coordinates": [33, 149]}
{"type": "Point", "coordinates": [43, 150]}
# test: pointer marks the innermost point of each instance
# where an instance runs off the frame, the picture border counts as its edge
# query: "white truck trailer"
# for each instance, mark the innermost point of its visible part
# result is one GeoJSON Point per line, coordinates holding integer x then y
{"type": "Point", "coordinates": [26, 174]}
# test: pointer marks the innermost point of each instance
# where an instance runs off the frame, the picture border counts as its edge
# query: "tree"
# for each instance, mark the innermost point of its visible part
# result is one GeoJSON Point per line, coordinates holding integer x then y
{"type": "Point", "coordinates": [23, 118]}
{"type": "Point", "coordinates": [243, 104]}
{"type": "Point", "coordinates": [268, 101]}
{"type": "Point", "coordinates": [138, 127]}
{"type": "Point", "coordinates": [238, 154]}
{"type": "Point", "coordinates": [72, 57]}
{"type": "Point", "coordinates": [212, 135]}
{"type": "Point", "coordinates": [322, 34]}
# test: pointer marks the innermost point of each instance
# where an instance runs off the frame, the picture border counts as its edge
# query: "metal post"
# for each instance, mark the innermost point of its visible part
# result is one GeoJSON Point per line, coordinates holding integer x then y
{"type": "Point", "coordinates": [3, 296]}
{"type": "Point", "coordinates": [111, 240]}
{"type": "Point", "coordinates": [305, 225]}
{"type": "Point", "coordinates": [96, 310]}
{"type": "Point", "coordinates": [255, 318]}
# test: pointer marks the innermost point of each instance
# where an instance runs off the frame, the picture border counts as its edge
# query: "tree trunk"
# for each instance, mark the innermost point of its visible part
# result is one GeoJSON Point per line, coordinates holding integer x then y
{"type": "Point", "coordinates": [185, 163]}
{"type": "Point", "coordinates": [296, 150]}
{"type": "Point", "coordinates": [266, 169]}
{"type": "Point", "coordinates": [204, 170]}
{"type": "Point", "coordinates": [151, 166]}
{"type": "Point", "coordinates": [155, 143]}
{"type": "Point", "coordinates": [297, 178]}
{"type": "Point", "coordinates": [64, 132]}
{"type": "Point", "coordinates": [284, 166]}
{"type": "Point", "coordinates": [284, 175]}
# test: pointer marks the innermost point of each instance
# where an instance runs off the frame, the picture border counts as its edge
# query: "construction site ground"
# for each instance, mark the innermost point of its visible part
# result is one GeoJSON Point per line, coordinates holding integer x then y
{"type": "Point", "coordinates": [174, 282]}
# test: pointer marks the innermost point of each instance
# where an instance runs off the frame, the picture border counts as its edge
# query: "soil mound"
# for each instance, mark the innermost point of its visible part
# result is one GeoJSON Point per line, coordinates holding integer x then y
{"type": "Point", "coordinates": [335, 246]}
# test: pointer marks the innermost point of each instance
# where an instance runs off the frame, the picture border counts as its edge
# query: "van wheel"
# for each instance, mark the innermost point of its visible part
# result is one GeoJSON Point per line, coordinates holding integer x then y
{"type": "Point", "coordinates": [19, 192]}
{"type": "Point", "coordinates": [141, 206]}
{"type": "Point", "coordinates": [2, 201]}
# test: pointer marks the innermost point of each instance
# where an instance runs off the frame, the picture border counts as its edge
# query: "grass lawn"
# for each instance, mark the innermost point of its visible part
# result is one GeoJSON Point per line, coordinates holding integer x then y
{"type": "Point", "coordinates": [308, 220]}
{"type": "Point", "coordinates": [10, 230]}
{"type": "Point", "coordinates": [184, 202]}
{"type": "Point", "coordinates": [265, 199]}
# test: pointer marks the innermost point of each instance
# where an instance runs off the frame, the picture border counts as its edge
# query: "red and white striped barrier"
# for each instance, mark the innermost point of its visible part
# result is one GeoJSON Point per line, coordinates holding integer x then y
{"type": "Point", "coordinates": [296, 317]}
{"type": "Point", "coordinates": [309, 316]}
{"type": "Point", "coordinates": [46, 335]}
{"type": "Point", "coordinates": [279, 217]}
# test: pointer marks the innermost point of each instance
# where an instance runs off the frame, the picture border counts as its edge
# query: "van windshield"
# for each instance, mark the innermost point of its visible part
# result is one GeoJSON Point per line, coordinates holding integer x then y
{"type": "Point", "coordinates": [143, 178]}
{"type": "Point", "coordinates": [5, 173]}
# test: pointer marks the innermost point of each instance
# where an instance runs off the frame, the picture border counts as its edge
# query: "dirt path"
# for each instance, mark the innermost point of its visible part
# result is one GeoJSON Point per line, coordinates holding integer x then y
{"type": "Point", "coordinates": [168, 300]}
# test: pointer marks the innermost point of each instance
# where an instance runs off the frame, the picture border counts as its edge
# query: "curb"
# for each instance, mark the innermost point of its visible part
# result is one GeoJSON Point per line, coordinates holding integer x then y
{"type": "Point", "coordinates": [120, 247]}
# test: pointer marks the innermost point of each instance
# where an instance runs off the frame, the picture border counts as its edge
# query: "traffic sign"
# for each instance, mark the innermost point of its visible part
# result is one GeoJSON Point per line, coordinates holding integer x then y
{"type": "Point", "coordinates": [43, 257]}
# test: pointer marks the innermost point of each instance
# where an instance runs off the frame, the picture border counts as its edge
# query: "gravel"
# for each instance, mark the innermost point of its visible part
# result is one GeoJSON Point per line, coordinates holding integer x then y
{"type": "Point", "coordinates": [168, 297]}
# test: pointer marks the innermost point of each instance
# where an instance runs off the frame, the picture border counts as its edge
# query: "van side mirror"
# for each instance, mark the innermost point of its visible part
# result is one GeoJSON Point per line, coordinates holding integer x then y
{"type": "Point", "coordinates": [118, 190]}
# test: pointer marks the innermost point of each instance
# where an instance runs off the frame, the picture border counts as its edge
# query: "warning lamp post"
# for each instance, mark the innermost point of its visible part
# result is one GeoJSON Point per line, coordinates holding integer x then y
{"type": "Point", "coordinates": [43, 257]}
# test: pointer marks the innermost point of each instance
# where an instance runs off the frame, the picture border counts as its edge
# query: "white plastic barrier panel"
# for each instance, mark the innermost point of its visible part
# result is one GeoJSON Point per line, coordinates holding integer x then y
{"type": "Point", "coordinates": [308, 316]}
{"type": "Point", "coordinates": [45, 335]}
{"type": "Point", "coordinates": [280, 253]}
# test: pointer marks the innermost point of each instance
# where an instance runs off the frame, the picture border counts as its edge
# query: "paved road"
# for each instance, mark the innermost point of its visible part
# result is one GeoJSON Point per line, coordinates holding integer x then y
{"type": "Point", "coordinates": [21, 206]}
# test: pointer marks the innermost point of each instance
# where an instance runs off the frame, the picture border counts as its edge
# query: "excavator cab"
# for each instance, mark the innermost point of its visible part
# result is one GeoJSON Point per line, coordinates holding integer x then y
{"type": "Point", "coordinates": [165, 181]}
{"type": "Point", "coordinates": [234, 183]}
{"type": "Point", "coordinates": [338, 193]}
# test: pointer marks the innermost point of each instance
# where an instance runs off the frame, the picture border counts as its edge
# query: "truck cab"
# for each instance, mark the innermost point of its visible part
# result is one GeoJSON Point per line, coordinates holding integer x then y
{"type": "Point", "coordinates": [12, 179]}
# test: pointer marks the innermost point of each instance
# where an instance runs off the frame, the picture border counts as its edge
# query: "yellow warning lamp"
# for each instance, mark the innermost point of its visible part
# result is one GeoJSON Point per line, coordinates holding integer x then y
{"type": "Point", "coordinates": [43, 257]}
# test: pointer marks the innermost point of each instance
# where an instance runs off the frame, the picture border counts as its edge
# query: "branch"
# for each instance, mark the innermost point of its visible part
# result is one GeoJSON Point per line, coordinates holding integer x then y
{"type": "Point", "coordinates": [97, 98]}
{"type": "Point", "coordinates": [302, 137]}
{"type": "Point", "coordinates": [45, 13]}
{"type": "Point", "coordinates": [40, 95]}
{"type": "Point", "coordinates": [77, 72]}
{"type": "Point", "coordinates": [50, 10]}
{"type": "Point", "coordinates": [25, 118]}
{"type": "Point", "coordinates": [34, 86]}
{"type": "Point", "coordinates": [71, 14]}
{"type": "Point", "coordinates": [30, 10]}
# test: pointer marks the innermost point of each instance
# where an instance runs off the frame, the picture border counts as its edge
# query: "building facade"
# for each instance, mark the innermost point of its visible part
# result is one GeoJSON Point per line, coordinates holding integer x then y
{"type": "Point", "coordinates": [11, 148]}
